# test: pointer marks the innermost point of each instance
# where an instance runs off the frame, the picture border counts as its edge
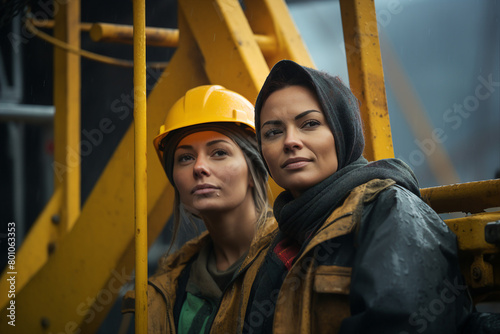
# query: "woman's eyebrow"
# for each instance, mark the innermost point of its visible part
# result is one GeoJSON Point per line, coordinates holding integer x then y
{"type": "Point", "coordinates": [302, 114]}
{"type": "Point", "coordinates": [185, 147]}
{"type": "Point", "coordinates": [271, 122]}
{"type": "Point", "coordinates": [299, 116]}
{"type": "Point", "coordinates": [213, 142]}
{"type": "Point", "coordinates": [210, 143]}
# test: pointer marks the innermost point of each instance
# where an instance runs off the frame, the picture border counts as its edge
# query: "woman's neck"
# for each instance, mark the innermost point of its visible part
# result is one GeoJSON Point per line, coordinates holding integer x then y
{"type": "Point", "coordinates": [232, 233]}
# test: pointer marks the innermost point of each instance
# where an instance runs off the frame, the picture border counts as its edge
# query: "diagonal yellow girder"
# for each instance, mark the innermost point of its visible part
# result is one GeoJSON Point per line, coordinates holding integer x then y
{"type": "Point", "coordinates": [231, 56]}
{"type": "Point", "coordinates": [267, 18]}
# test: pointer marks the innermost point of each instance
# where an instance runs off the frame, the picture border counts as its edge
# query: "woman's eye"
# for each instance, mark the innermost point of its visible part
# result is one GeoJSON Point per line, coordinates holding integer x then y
{"type": "Point", "coordinates": [219, 153]}
{"type": "Point", "coordinates": [311, 123]}
{"type": "Point", "coordinates": [184, 158]}
{"type": "Point", "coordinates": [271, 133]}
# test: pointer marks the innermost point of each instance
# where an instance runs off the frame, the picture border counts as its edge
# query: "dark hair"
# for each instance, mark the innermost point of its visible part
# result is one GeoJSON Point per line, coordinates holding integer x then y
{"type": "Point", "coordinates": [340, 106]}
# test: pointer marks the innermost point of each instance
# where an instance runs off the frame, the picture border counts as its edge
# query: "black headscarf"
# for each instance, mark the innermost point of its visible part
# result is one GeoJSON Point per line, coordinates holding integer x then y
{"type": "Point", "coordinates": [339, 105]}
{"type": "Point", "coordinates": [299, 217]}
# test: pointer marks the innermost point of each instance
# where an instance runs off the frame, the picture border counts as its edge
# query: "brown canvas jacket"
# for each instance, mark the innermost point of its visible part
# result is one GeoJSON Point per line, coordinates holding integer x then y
{"type": "Point", "coordinates": [163, 285]}
{"type": "Point", "coordinates": [315, 299]}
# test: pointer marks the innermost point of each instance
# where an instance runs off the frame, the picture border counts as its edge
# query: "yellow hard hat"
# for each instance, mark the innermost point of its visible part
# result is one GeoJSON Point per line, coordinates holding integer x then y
{"type": "Point", "coordinates": [206, 104]}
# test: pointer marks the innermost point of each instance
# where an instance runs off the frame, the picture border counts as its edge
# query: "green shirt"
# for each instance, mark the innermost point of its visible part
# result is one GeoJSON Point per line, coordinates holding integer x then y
{"type": "Point", "coordinates": [204, 291]}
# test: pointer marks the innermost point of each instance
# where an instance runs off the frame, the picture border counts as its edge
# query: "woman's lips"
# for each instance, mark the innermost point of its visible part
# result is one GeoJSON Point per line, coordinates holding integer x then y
{"type": "Point", "coordinates": [295, 163]}
{"type": "Point", "coordinates": [203, 189]}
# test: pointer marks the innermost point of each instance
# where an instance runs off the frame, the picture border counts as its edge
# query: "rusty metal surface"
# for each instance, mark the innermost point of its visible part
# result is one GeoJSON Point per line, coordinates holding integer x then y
{"type": "Point", "coordinates": [366, 75]}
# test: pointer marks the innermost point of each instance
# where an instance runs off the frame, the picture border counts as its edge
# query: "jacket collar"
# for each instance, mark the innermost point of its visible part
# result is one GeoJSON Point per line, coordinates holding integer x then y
{"type": "Point", "coordinates": [165, 279]}
{"type": "Point", "coordinates": [344, 219]}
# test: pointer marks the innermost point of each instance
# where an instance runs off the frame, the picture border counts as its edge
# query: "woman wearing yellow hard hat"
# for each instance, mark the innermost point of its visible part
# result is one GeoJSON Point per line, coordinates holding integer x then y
{"type": "Point", "coordinates": [208, 149]}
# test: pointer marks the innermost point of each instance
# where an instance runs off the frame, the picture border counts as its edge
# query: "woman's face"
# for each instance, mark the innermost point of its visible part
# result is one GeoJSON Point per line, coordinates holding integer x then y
{"type": "Point", "coordinates": [211, 174]}
{"type": "Point", "coordinates": [297, 144]}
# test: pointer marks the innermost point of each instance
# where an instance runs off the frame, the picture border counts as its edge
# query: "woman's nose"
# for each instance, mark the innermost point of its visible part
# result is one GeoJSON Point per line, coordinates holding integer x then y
{"type": "Point", "coordinates": [201, 168]}
{"type": "Point", "coordinates": [292, 142]}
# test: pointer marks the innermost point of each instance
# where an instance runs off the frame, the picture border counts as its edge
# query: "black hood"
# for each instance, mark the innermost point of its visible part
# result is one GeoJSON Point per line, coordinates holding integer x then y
{"type": "Point", "coordinates": [339, 105]}
{"type": "Point", "coordinates": [341, 110]}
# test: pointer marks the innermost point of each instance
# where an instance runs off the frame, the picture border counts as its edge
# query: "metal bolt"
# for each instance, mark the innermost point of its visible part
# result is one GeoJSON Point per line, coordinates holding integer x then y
{"type": "Point", "coordinates": [56, 219]}
{"type": "Point", "coordinates": [45, 322]}
{"type": "Point", "coordinates": [477, 273]}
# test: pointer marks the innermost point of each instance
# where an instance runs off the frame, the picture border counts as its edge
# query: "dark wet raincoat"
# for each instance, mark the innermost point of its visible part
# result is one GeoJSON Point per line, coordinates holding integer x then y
{"type": "Point", "coordinates": [383, 262]}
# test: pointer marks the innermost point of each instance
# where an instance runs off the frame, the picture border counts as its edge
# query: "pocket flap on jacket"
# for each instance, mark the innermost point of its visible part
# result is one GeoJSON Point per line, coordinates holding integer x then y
{"type": "Point", "coordinates": [332, 279]}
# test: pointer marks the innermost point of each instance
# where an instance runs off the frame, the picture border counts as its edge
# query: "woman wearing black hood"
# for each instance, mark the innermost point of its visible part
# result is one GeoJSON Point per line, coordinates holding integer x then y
{"type": "Point", "coordinates": [358, 251]}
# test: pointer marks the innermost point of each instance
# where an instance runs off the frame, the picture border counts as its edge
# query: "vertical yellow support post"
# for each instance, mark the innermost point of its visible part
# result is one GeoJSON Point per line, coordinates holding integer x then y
{"type": "Point", "coordinates": [67, 118]}
{"type": "Point", "coordinates": [366, 75]}
{"type": "Point", "coordinates": [140, 171]}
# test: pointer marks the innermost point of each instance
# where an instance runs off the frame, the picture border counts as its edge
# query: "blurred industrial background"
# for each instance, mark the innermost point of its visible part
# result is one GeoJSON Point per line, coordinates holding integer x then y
{"type": "Point", "coordinates": [441, 63]}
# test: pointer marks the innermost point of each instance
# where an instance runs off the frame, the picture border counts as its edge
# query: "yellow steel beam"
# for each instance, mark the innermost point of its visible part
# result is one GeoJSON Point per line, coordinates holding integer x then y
{"type": "Point", "coordinates": [118, 33]}
{"type": "Point", "coordinates": [271, 18]}
{"type": "Point", "coordinates": [67, 117]}
{"type": "Point", "coordinates": [470, 197]}
{"type": "Point", "coordinates": [366, 75]}
{"type": "Point", "coordinates": [479, 269]}
{"type": "Point", "coordinates": [166, 37]}
{"type": "Point", "coordinates": [227, 44]}
{"type": "Point", "coordinates": [470, 232]}
{"type": "Point", "coordinates": [140, 169]}
{"type": "Point", "coordinates": [34, 250]}
{"type": "Point", "coordinates": [478, 259]}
